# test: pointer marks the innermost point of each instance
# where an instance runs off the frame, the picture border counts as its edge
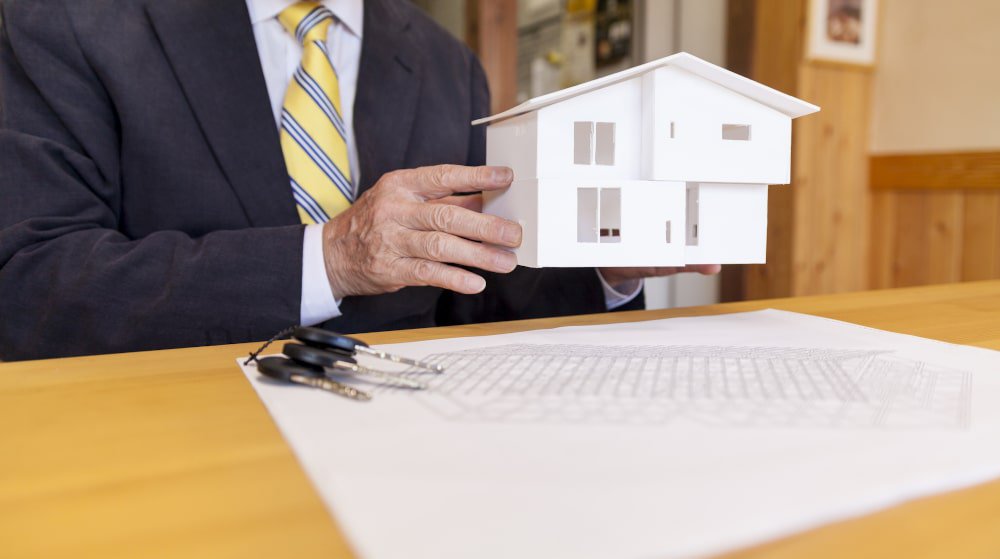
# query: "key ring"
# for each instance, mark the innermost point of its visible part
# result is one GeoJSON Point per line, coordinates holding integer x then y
{"type": "Point", "coordinates": [323, 355]}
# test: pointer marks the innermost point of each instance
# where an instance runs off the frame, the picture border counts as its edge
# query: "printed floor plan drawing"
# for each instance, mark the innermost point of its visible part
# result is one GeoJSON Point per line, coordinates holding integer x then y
{"type": "Point", "coordinates": [731, 386]}
{"type": "Point", "coordinates": [674, 438]}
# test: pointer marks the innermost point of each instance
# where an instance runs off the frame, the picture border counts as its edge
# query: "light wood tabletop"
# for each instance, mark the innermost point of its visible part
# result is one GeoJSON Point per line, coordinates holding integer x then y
{"type": "Point", "coordinates": [171, 454]}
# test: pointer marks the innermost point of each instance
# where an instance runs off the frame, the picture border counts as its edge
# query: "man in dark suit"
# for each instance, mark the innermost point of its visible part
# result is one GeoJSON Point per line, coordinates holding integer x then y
{"type": "Point", "coordinates": [145, 199]}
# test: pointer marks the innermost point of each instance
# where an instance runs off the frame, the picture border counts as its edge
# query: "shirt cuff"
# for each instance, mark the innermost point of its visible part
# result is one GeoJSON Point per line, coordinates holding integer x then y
{"type": "Point", "coordinates": [318, 304]}
{"type": "Point", "coordinates": [614, 298]}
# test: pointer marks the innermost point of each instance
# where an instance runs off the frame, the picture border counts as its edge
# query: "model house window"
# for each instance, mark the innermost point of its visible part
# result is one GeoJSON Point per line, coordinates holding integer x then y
{"type": "Point", "coordinates": [692, 214]}
{"type": "Point", "coordinates": [604, 154]}
{"type": "Point", "coordinates": [599, 215]}
{"type": "Point", "coordinates": [586, 215]}
{"type": "Point", "coordinates": [736, 132]}
{"type": "Point", "coordinates": [593, 142]}
{"type": "Point", "coordinates": [583, 143]}
{"type": "Point", "coordinates": [610, 215]}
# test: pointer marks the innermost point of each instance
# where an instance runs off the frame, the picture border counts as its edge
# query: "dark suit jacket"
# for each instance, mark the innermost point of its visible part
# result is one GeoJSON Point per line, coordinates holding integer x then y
{"type": "Point", "coordinates": [144, 201]}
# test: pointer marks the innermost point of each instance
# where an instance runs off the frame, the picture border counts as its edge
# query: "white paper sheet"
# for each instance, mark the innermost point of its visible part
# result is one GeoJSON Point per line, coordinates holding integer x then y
{"type": "Point", "coordinates": [670, 438]}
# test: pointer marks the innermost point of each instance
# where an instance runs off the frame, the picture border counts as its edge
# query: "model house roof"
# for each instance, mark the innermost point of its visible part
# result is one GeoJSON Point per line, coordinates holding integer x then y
{"type": "Point", "coordinates": [764, 95]}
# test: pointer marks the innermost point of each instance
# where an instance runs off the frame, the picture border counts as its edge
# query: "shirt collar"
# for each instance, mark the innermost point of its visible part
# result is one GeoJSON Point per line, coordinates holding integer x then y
{"type": "Point", "coordinates": [348, 12]}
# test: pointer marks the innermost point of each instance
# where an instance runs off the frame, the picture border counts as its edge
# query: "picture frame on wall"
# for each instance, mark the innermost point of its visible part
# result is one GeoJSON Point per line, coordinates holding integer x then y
{"type": "Point", "coordinates": [842, 31]}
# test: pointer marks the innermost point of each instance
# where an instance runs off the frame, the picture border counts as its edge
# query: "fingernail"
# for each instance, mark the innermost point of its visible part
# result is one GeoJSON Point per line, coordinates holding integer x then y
{"type": "Point", "coordinates": [506, 261]}
{"type": "Point", "coordinates": [475, 284]}
{"type": "Point", "coordinates": [502, 175]}
{"type": "Point", "coordinates": [511, 234]}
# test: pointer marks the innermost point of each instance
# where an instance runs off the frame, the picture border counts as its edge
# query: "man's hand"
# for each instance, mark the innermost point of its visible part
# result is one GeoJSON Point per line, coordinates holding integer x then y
{"type": "Point", "coordinates": [407, 228]}
{"type": "Point", "coordinates": [623, 278]}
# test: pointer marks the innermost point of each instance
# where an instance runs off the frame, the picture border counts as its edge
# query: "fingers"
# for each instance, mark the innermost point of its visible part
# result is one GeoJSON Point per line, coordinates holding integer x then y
{"type": "Point", "coordinates": [613, 275]}
{"type": "Point", "coordinates": [465, 223]}
{"type": "Point", "coordinates": [472, 202]}
{"type": "Point", "coordinates": [393, 237]}
{"type": "Point", "coordinates": [705, 269]}
{"type": "Point", "coordinates": [417, 271]}
{"type": "Point", "coordinates": [442, 247]}
{"type": "Point", "coordinates": [439, 181]}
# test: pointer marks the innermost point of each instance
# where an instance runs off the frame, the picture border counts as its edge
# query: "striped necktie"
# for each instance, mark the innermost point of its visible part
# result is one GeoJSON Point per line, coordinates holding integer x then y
{"type": "Point", "coordinates": [313, 134]}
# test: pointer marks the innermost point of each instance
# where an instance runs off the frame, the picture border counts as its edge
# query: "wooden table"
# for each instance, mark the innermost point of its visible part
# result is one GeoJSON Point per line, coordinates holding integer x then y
{"type": "Point", "coordinates": [170, 453]}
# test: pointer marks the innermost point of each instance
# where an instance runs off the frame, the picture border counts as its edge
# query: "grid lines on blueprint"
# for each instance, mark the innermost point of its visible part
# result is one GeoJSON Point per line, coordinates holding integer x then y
{"type": "Point", "coordinates": [710, 385]}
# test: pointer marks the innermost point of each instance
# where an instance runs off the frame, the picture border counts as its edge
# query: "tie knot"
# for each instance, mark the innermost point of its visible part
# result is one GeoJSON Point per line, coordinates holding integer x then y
{"type": "Point", "coordinates": [306, 20]}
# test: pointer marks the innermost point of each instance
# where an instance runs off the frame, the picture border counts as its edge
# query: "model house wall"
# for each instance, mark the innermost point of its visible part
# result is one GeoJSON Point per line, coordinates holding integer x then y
{"type": "Point", "coordinates": [521, 203]}
{"type": "Point", "coordinates": [574, 212]}
{"type": "Point", "coordinates": [728, 224]}
{"type": "Point", "coordinates": [665, 164]}
{"type": "Point", "coordinates": [514, 143]}
{"type": "Point", "coordinates": [610, 117]}
{"type": "Point", "coordinates": [697, 130]}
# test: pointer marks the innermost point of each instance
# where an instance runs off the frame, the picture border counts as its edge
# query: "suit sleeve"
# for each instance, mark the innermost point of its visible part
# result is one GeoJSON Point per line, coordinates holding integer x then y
{"type": "Point", "coordinates": [525, 292]}
{"type": "Point", "coordinates": [70, 281]}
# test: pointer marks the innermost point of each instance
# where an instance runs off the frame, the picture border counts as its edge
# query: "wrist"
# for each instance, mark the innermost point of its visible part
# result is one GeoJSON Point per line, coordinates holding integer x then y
{"type": "Point", "coordinates": [615, 280]}
{"type": "Point", "coordinates": [334, 260]}
{"type": "Point", "coordinates": [624, 287]}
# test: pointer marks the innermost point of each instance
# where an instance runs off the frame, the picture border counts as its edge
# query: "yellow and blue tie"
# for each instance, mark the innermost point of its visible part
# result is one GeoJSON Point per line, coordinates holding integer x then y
{"type": "Point", "coordinates": [313, 134]}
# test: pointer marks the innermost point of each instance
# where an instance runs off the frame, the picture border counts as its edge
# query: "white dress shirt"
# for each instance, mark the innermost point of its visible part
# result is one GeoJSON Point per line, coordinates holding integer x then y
{"type": "Point", "coordinates": [280, 55]}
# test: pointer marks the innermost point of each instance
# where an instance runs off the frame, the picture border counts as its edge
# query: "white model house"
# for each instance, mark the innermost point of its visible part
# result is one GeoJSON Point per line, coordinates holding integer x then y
{"type": "Point", "coordinates": [664, 164]}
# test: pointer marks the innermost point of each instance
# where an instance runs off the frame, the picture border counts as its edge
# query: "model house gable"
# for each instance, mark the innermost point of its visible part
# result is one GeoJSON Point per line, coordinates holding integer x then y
{"type": "Point", "coordinates": [698, 130]}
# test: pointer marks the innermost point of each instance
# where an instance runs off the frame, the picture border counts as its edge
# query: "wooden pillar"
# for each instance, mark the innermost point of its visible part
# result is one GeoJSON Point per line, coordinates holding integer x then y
{"type": "Point", "coordinates": [817, 226]}
{"type": "Point", "coordinates": [492, 35]}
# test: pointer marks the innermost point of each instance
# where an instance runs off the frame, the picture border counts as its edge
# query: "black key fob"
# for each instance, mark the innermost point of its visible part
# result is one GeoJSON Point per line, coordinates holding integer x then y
{"type": "Point", "coordinates": [283, 369]}
{"type": "Point", "coordinates": [314, 356]}
{"type": "Point", "coordinates": [325, 339]}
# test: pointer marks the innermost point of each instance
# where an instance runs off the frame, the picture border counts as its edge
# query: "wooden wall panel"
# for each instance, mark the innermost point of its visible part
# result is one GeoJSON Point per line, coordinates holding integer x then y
{"type": "Point", "coordinates": [830, 186]}
{"type": "Point", "coordinates": [945, 211]}
{"type": "Point", "coordinates": [909, 259]}
{"type": "Point", "coordinates": [981, 236]}
{"type": "Point", "coordinates": [926, 236]}
{"type": "Point", "coordinates": [883, 226]}
{"type": "Point", "coordinates": [935, 218]}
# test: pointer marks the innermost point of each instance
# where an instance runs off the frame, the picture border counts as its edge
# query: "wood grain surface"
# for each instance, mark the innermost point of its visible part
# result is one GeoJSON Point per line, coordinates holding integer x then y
{"type": "Point", "coordinates": [492, 34]}
{"type": "Point", "coordinates": [928, 236]}
{"type": "Point", "coordinates": [946, 170]}
{"type": "Point", "coordinates": [171, 454]}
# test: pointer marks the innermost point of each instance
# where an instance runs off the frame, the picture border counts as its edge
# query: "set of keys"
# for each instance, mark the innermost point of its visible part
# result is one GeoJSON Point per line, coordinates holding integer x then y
{"type": "Point", "coordinates": [318, 357]}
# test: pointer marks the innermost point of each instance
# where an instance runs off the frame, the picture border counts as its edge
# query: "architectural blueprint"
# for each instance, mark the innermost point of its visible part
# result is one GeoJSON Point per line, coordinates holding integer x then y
{"type": "Point", "coordinates": [712, 385]}
{"type": "Point", "coordinates": [684, 437]}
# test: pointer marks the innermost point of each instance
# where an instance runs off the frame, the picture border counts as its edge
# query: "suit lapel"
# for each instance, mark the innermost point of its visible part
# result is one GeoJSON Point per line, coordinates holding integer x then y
{"type": "Point", "coordinates": [387, 92]}
{"type": "Point", "coordinates": [211, 47]}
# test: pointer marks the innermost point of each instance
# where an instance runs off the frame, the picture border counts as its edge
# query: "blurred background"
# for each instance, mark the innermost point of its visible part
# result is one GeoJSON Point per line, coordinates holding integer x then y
{"type": "Point", "coordinates": [896, 182]}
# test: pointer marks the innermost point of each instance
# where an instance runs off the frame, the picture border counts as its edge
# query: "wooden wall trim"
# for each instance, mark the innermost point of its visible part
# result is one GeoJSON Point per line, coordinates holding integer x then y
{"type": "Point", "coordinates": [952, 170]}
